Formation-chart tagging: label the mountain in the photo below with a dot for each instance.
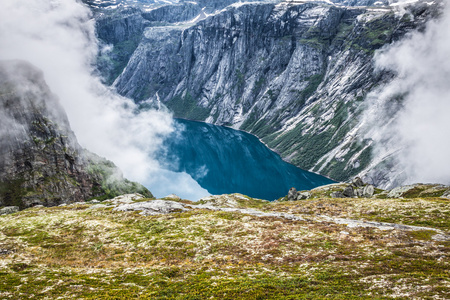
(121, 23)
(295, 74)
(41, 161)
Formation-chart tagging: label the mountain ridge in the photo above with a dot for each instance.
(296, 76)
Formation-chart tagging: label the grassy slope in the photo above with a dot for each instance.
(74, 252)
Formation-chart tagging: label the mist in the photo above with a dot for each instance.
(58, 36)
(409, 116)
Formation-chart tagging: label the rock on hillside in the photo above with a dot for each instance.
(358, 189)
(41, 161)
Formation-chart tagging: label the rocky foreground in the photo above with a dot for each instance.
(228, 247)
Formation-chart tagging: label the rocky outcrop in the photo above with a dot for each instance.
(40, 158)
(358, 189)
(124, 199)
(110, 178)
(121, 29)
(9, 210)
(229, 200)
(419, 190)
(41, 161)
(155, 207)
(336, 190)
(222, 203)
(294, 195)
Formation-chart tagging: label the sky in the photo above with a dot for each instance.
(58, 36)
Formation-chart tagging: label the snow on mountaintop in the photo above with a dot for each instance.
(148, 5)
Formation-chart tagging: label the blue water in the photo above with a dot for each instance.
(223, 160)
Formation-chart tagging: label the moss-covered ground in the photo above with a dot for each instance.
(74, 252)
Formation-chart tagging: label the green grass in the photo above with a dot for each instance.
(73, 252)
(108, 184)
(187, 107)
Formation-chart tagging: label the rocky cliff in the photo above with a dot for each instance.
(121, 24)
(294, 74)
(41, 161)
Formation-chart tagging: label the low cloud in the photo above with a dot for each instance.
(409, 116)
(58, 36)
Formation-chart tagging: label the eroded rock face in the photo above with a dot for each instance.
(40, 157)
(41, 162)
(294, 75)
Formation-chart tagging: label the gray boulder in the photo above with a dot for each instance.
(292, 194)
(9, 210)
(357, 182)
(359, 192)
(368, 191)
(348, 192)
(303, 195)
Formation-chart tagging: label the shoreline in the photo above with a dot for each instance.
(260, 140)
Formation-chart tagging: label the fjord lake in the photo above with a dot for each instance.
(223, 160)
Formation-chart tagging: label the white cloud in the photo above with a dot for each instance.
(58, 37)
(418, 130)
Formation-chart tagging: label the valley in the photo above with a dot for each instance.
(298, 76)
(174, 149)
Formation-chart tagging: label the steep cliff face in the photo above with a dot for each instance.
(296, 75)
(41, 161)
(121, 23)
(123, 31)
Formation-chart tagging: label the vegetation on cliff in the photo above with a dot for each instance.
(41, 161)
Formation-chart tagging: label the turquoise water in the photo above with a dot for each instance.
(223, 160)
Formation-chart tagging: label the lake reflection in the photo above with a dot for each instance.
(223, 160)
